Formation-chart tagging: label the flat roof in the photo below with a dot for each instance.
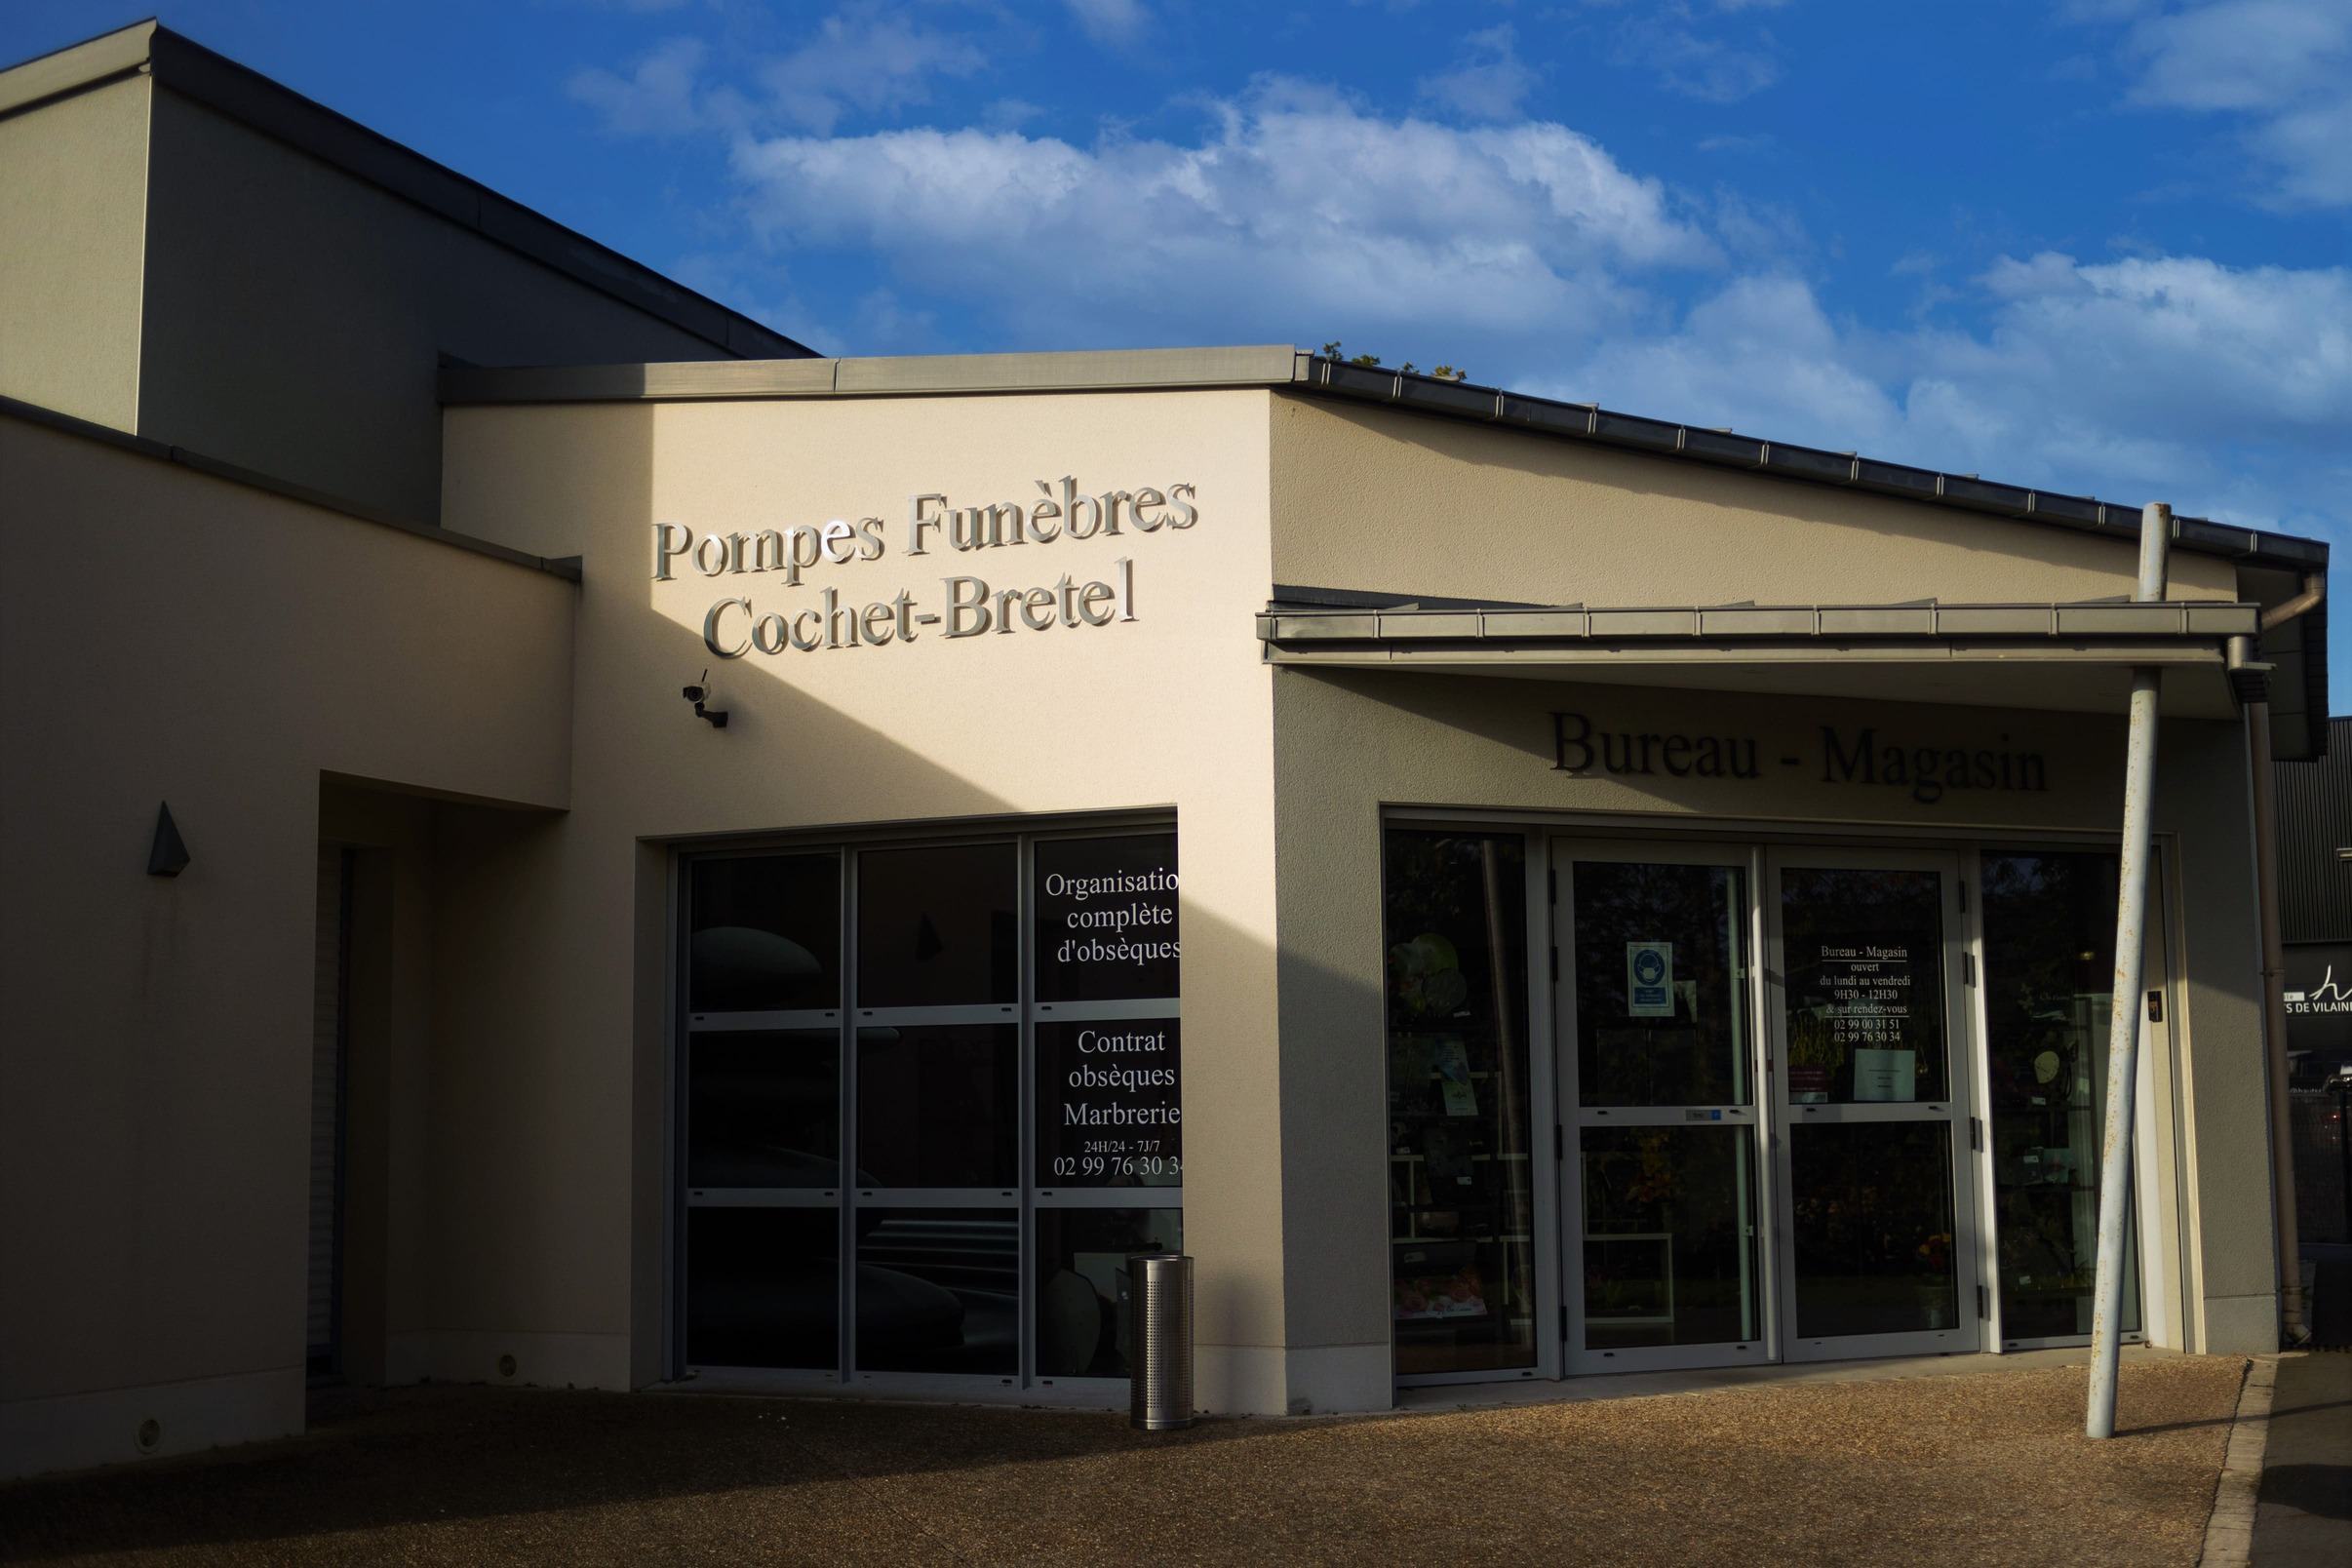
(1282, 367)
(252, 100)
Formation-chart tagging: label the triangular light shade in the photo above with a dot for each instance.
(168, 856)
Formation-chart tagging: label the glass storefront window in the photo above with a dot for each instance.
(1461, 1204)
(1109, 1107)
(937, 926)
(765, 1287)
(2049, 982)
(764, 934)
(967, 1038)
(1106, 918)
(1082, 1253)
(936, 1105)
(1107, 1104)
(764, 1108)
(939, 1290)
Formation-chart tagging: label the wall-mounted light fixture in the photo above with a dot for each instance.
(168, 855)
(697, 694)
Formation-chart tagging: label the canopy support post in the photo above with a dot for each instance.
(2124, 1011)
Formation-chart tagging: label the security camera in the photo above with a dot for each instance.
(698, 694)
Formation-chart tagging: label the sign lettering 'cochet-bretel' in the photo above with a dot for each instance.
(735, 625)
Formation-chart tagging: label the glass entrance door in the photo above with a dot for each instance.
(1877, 1243)
(1662, 1168)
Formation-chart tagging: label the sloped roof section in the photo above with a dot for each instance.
(244, 95)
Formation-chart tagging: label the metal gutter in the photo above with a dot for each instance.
(2195, 620)
(566, 568)
(221, 85)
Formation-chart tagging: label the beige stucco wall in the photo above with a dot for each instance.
(171, 637)
(1389, 503)
(73, 209)
(296, 315)
(1171, 710)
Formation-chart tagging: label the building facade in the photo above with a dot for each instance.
(711, 866)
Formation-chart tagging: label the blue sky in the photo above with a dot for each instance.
(2095, 245)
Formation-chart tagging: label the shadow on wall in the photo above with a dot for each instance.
(535, 1081)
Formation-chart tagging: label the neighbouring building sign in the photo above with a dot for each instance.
(966, 604)
(1860, 754)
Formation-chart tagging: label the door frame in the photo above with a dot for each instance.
(1957, 1109)
(1565, 850)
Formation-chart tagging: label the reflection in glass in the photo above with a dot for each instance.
(1669, 1236)
(763, 1107)
(937, 926)
(939, 1290)
(1461, 1212)
(765, 933)
(1661, 984)
(1873, 1233)
(1106, 917)
(936, 1105)
(2049, 978)
(1865, 955)
(763, 1287)
(1107, 1103)
(1081, 1299)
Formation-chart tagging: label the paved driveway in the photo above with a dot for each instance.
(1976, 1468)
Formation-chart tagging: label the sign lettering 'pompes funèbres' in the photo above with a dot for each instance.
(736, 625)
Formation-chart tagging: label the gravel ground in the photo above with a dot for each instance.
(1976, 1468)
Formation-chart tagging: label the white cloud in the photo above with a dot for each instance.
(1488, 81)
(2240, 53)
(859, 59)
(1116, 22)
(1294, 215)
(657, 98)
(2284, 66)
(1700, 57)
(2221, 390)
(863, 59)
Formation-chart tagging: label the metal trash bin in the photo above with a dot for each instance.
(1160, 1319)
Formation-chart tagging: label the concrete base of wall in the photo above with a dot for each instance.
(80, 1430)
(541, 1360)
(1329, 1378)
(1262, 1380)
(1238, 1379)
(2242, 1325)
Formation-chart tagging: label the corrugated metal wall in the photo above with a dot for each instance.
(2315, 820)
